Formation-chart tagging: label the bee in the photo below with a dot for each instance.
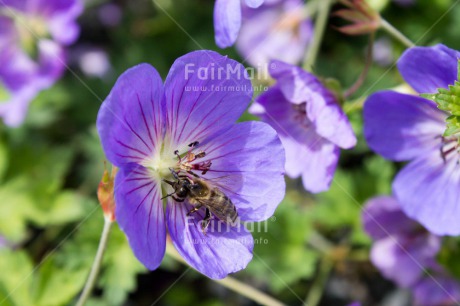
(201, 194)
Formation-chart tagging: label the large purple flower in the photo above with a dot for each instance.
(32, 33)
(276, 30)
(227, 19)
(310, 122)
(143, 122)
(403, 127)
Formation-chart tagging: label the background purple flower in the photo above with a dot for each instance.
(310, 122)
(402, 249)
(32, 61)
(142, 122)
(440, 290)
(406, 253)
(227, 19)
(276, 30)
(402, 127)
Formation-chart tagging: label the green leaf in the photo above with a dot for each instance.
(448, 100)
(57, 283)
(120, 269)
(284, 237)
(18, 209)
(15, 278)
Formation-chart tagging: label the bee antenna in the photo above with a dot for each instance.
(169, 182)
(168, 195)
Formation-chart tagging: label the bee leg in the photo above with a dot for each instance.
(195, 209)
(194, 174)
(178, 200)
(205, 222)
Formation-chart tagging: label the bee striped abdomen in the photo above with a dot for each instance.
(221, 206)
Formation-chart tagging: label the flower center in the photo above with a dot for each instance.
(300, 115)
(29, 29)
(290, 21)
(187, 162)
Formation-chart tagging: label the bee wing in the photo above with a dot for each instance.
(221, 182)
(221, 206)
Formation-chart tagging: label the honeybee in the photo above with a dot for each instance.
(200, 194)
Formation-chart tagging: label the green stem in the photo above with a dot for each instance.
(91, 281)
(386, 26)
(233, 284)
(316, 290)
(363, 74)
(320, 27)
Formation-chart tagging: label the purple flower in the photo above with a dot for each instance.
(402, 249)
(227, 19)
(404, 252)
(310, 122)
(275, 30)
(143, 122)
(434, 291)
(31, 60)
(403, 127)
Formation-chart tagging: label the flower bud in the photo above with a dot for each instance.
(364, 19)
(105, 193)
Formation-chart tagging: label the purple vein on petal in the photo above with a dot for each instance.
(189, 115)
(138, 187)
(139, 159)
(146, 196)
(180, 101)
(208, 152)
(154, 114)
(202, 119)
(224, 155)
(138, 179)
(145, 120)
(135, 133)
(130, 148)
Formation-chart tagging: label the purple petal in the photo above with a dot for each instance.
(428, 68)
(441, 290)
(14, 110)
(222, 250)
(401, 127)
(330, 121)
(382, 216)
(62, 24)
(227, 22)
(265, 35)
(307, 153)
(319, 160)
(139, 213)
(297, 84)
(51, 63)
(15, 4)
(403, 258)
(254, 3)
(205, 92)
(248, 166)
(427, 189)
(130, 121)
